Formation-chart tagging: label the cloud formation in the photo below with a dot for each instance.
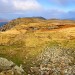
(26, 5)
(24, 8)
(19, 5)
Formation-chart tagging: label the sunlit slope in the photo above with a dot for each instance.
(21, 21)
(17, 39)
(23, 43)
(20, 32)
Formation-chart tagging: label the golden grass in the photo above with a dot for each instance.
(20, 44)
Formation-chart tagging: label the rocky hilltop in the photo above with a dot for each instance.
(43, 47)
(20, 21)
(37, 21)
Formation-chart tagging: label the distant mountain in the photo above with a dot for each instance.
(3, 22)
(71, 18)
(37, 18)
(40, 18)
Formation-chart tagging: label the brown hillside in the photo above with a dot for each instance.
(20, 21)
(38, 23)
(36, 43)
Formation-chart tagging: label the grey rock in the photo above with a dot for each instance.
(6, 65)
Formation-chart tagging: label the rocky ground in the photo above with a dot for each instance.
(43, 47)
(9, 68)
(55, 61)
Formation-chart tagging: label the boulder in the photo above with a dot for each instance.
(7, 65)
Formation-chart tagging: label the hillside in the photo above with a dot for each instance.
(41, 46)
(20, 21)
(38, 22)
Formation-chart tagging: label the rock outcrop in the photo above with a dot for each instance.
(8, 66)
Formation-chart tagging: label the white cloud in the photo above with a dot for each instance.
(21, 5)
(26, 5)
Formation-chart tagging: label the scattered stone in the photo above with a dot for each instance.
(55, 61)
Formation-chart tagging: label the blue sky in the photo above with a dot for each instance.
(62, 9)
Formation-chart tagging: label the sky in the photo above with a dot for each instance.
(59, 9)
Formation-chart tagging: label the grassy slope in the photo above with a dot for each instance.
(22, 46)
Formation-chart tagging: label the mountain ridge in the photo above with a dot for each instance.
(36, 21)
